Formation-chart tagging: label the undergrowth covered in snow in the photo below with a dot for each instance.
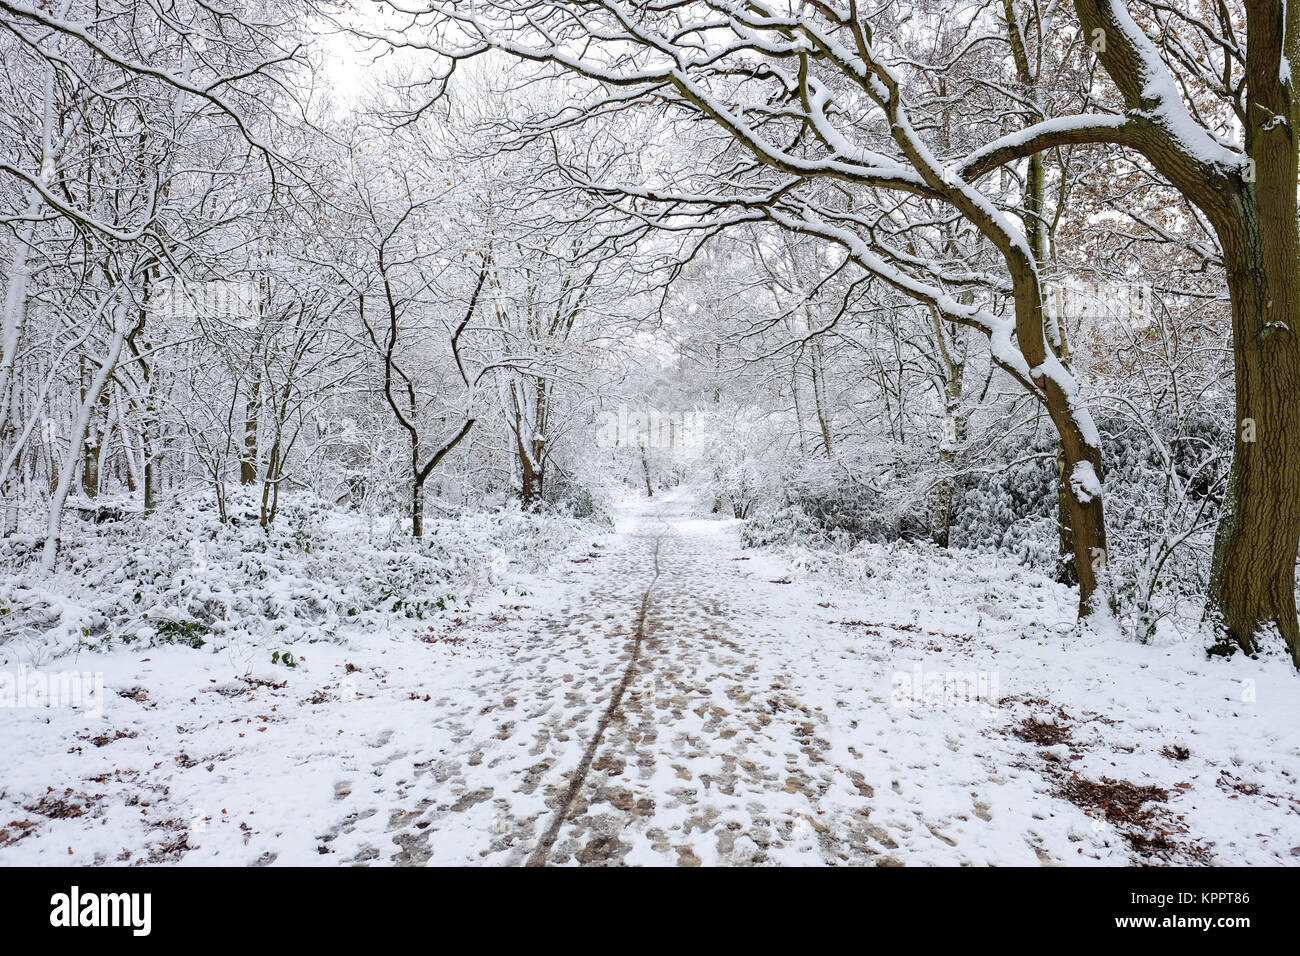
(316, 574)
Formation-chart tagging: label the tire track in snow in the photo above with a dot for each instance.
(552, 833)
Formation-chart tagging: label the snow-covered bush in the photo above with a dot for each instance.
(1163, 485)
(316, 574)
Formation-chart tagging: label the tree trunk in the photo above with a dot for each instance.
(417, 491)
(1080, 445)
(531, 477)
(90, 464)
(150, 441)
(953, 357)
(420, 474)
(130, 456)
(417, 509)
(1252, 577)
(819, 398)
(11, 490)
(269, 484)
(91, 445)
(1083, 503)
(54, 522)
(532, 447)
(151, 475)
(945, 502)
(1065, 573)
(645, 468)
(1036, 234)
(248, 455)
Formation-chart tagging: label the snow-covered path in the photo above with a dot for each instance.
(666, 697)
(655, 717)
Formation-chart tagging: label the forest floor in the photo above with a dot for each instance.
(664, 697)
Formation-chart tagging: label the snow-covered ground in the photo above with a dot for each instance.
(657, 695)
